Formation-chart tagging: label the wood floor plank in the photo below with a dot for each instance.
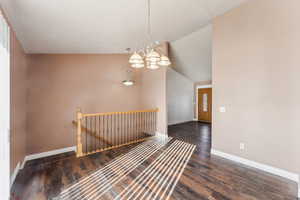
(206, 177)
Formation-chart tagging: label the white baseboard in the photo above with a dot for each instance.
(263, 167)
(181, 122)
(15, 173)
(195, 119)
(161, 135)
(50, 153)
(36, 156)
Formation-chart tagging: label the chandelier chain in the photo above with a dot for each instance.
(149, 19)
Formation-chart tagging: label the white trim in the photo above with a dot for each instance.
(50, 153)
(263, 167)
(299, 188)
(203, 86)
(160, 135)
(15, 173)
(196, 91)
(181, 122)
(36, 156)
(195, 119)
(23, 163)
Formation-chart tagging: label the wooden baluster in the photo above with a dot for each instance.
(121, 128)
(138, 124)
(154, 113)
(90, 137)
(98, 134)
(152, 122)
(130, 127)
(135, 125)
(156, 121)
(92, 131)
(86, 134)
(112, 130)
(102, 130)
(141, 124)
(147, 123)
(126, 122)
(79, 142)
(109, 130)
(95, 138)
(118, 130)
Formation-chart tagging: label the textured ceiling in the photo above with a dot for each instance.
(98, 26)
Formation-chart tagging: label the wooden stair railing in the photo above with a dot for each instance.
(103, 131)
(91, 133)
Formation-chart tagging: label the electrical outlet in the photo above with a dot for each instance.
(242, 146)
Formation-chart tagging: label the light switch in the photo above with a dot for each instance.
(222, 109)
(242, 146)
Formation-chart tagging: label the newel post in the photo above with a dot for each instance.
(79, 142)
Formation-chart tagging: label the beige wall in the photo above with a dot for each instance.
(180, 92)
(256, 61)
(61, 83)
(153, 91)
(19, 68)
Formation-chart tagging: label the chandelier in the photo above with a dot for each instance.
(149, 56)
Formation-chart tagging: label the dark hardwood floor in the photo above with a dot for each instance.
(205, 177)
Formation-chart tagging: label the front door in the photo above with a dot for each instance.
(205, 104)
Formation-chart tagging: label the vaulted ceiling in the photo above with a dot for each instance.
(192, 55)
(105, 26)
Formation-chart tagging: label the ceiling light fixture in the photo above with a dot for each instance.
(149, 55)
(129, 80)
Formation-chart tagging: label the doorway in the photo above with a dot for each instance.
(204, 104)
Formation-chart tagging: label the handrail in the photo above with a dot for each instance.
(116, 113)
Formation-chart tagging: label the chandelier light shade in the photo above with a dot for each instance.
(128, 82)
(152, 66)
(138, 65)
(136, 59)
(149, 56)
(153, 56)
(164, 61)
(129, 79)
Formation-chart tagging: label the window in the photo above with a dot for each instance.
(205, 103)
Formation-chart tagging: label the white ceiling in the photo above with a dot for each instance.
(105, 26)
(192, 55)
